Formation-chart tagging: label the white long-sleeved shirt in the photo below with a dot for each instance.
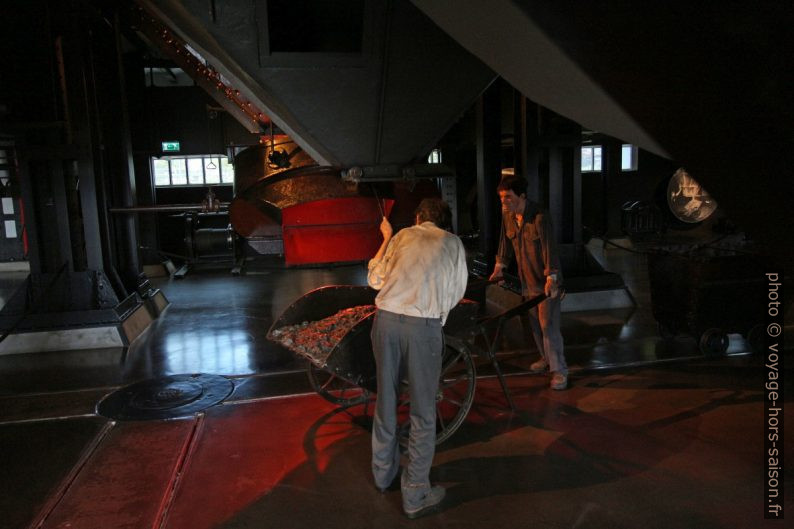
(422, 273)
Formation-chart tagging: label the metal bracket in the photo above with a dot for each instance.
(393, 172)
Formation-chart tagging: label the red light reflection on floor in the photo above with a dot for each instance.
(245, 450)
(277, 458)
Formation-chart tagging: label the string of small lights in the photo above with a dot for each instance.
(196, 67)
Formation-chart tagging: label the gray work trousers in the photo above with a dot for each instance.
(405, 346)
(544, 322)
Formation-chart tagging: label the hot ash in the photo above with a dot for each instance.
(316, 339)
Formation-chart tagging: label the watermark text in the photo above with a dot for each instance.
(773, 400)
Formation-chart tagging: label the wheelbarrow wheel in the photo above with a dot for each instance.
(755, 338)
(455, 389)
(454, 396)
(714, 342)
(335, 389)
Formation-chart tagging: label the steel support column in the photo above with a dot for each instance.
(610, 169)
(488, 167)
(532, 115)
(556, 199)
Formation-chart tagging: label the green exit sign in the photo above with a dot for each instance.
(170, 146)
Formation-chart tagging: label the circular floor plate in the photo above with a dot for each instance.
(166, 397)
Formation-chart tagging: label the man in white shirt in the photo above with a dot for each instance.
(421, 275)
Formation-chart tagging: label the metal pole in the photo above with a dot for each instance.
(164, 208)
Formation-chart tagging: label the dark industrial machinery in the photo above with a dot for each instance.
(208, 236)
(638, 217)
(287, 204)
(65, 157)
(351, 125)
(707, 292)
(681, 203)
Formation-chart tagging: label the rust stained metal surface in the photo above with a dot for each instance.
(125, 482)
(276, 154)
(297, 186)
(281, 193)
(278, 175)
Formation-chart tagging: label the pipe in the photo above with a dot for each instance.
(221, 206)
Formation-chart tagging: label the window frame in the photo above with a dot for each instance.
(434, 157)
(592, 149)
(221, 162)
(633, 161)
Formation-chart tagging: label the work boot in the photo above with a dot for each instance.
(539, 366)
(559, 381)
(419, 502)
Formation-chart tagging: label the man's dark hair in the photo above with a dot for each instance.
(436, 211)
(516, 184)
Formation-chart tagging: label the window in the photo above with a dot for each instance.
(435, 156)
(192, 170)
(628, 157)
(162, 174)
(212, 171)
(227, 171)
(195, 171)
(178, 172)
(591, 158)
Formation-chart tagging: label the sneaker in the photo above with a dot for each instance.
(429, 503)
(539, 366)
(559, 381)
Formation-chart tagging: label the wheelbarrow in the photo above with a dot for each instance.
(342, 368)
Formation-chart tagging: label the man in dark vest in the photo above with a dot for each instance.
(528, 237)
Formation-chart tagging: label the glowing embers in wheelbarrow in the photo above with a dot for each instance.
(315, 340)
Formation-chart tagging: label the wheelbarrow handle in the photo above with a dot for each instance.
(481, 282)
(521, 308)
